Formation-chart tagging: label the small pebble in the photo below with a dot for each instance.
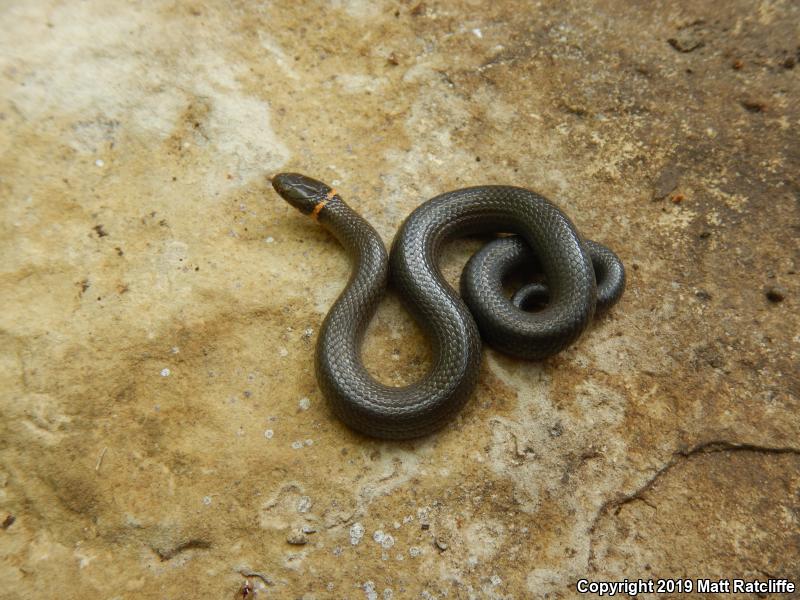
(165, 372)
(270, 239)
(304, 403)
(309, 529)
(99, 162)
(703, 295)
(297, 538)
(413, 551)
(283, 352)
(678, 198)
(495, 579)
(207, 500)
(297, 444)
(441, 544)
(268, 434)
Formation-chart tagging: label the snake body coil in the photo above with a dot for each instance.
(545, 236)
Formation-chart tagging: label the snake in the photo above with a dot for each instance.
(580, 278)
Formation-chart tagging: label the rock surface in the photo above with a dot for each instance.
(162, 434)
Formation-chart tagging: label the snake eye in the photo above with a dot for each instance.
(302, 192)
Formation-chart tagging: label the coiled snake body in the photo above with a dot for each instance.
(454, 324)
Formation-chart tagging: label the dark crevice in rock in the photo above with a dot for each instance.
(615, 504)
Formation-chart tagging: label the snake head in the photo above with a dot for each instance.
(304, 193)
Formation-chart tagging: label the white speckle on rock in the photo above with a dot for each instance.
(297, 444)
(414, 551)
(165, 372)
(99, 162)
(283, 352)
(478, 33)
(495, 580)
(304, 504)
(269, 239)
(308, 332)
(356, 533)
(174, 350)
(268, 434)
(207, 500)
(304, 403)
(387, 541)
(309, 442)
(378, 536)
(396, 525)
(388, 594)
(369, 590)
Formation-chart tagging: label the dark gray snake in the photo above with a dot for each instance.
(544, 237)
